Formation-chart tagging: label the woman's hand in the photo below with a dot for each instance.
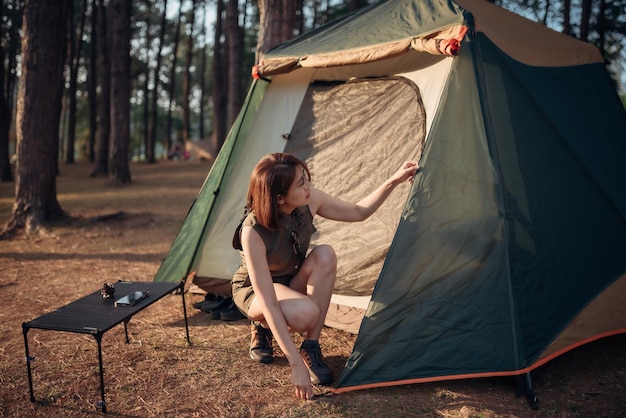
(405, 172)
(339, 210)
(302, 381)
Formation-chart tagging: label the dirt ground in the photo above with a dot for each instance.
(158, 375)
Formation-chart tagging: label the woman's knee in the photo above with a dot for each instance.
(304, 316)
(320, 267)
(325, 256)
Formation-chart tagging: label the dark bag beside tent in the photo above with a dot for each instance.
(509, 249)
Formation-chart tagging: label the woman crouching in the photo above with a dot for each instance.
(280, 287)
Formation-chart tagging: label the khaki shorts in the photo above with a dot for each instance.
(243, 293)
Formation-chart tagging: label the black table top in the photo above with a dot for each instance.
(92, 314)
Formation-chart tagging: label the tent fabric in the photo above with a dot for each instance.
(377, 32)
(445, 42)
(503, 224)
(266, 133)
(402, 25)
(369, 141)
(183, 252)
(430, 305)
(529, 42)
(603, 317)
(542, 194)
(507, 251)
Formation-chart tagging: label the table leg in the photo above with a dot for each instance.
(126, 330)
(28, 360)
(102, 404)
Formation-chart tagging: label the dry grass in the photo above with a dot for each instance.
(158, 375)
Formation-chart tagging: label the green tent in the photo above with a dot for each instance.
(510, 247)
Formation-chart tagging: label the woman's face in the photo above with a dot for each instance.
(299, 193)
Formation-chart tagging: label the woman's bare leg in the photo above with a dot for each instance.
(304, 304)
(316, 279)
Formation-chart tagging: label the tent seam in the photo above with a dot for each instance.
(492, 146)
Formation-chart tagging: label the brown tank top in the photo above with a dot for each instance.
(285, 246)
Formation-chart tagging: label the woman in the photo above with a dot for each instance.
(280, 287)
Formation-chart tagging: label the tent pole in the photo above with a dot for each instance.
(525, 385)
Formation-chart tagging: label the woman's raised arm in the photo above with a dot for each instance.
(339, 210)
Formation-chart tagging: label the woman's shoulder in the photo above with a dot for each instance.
(317, 199)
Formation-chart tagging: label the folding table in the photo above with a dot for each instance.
(95, 315)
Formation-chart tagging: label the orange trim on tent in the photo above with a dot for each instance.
(533, 366)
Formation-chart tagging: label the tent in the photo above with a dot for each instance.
(510, 247)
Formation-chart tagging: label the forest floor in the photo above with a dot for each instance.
(158, 375)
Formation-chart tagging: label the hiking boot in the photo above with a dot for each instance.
(231, 314)
(311, 353)
(211, 300)
(216, 310)
(261, 344)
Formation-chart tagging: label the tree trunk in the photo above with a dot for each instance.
(172, 90)
(38, 114)
(601, 28)
(155, 90)
(234, 38)
(146, 96)
(355, 5)
(546, 13)
(298, 23)
(218, 91)
(585, 18)
(567, 26)
(104, 107)
(74, 61)
(202, 78)
(276, 24)
(5, 123)
(187, 78)
(119, 172)
(13, 52)
(173, 79)
(12, 40)
(92, 83)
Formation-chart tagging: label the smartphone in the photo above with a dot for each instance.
(131, 298)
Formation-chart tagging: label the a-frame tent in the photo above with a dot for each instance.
(509, 249)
